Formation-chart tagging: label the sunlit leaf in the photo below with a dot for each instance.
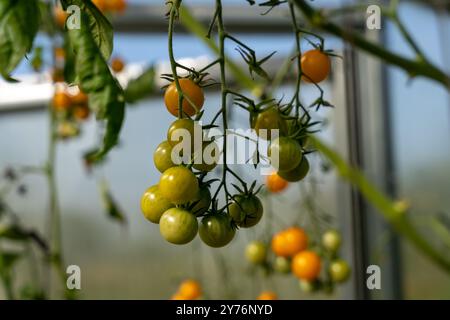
(19, 23)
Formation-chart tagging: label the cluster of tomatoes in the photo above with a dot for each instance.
(317, 266)
(105, 6)
(71, 109)
(188, 290)
(182, 194)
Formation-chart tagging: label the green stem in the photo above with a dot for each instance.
(173, 64)
(396, 217)
(56, 255)
(413, 67)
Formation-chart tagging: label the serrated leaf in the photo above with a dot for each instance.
(94, 77)
(98, 25)
(19, 23)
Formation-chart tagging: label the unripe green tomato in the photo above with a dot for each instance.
(153, 204)
(331, 240)
(296, 174)
(162, 157)
(307, 286)
(339, 270)
(289, 153)
(178, 226)
(268, 120)
(282, 265)
(256, 252)
(246, 211)
(216, 230)
(210, 155)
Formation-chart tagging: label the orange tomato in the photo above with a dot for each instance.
(117, 5)
(190, 289)
(80, 98)
(191, 90)
(289, 242)
(306, 265)
(59, 53)
(81, 112)
(316, 66)
(267, 295)
(60, 16)
(177, 296)
(117, 65)
(100, 4)
(61, 101)
(275, 183)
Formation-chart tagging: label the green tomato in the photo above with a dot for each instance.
(331, 240)
(339, 270)
(203, 201)
(307, 286)
(210, 154)
(269, 119)
(296, 174)
(162, 157)
(289, 153)
(256, 252)
(178, 226)
(153, 204)
(282, 265)
(179, 185)
(216, 230)
(246, 211)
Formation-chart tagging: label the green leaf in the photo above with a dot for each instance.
(142, 86)
(100, 28)
(19, 23)
(112, 209)
(93, 75)
(7, 260)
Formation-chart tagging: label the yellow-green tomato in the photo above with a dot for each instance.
(178, 226)
(282, 265)
(179, 185)
(162, 157)
(307, 286)
(153, 204)
(296, 174)
(256, 252)
(206, 159)
(268, 120)
(216, 230)
(285, 153)
(246, 210)
(339, 270)
(331, 240)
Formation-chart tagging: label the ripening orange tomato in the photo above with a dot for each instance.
(59, 53)
(101, 4)
(80, 98)
(306, 265)
(190, 289)
(81, 112)
(289, 242)
(178, 296)
(60, 16)
(267, 295)
(275, 183)
(191, 90)
(61, 101)
(116, 5)
(316, 66)
(117, 65)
